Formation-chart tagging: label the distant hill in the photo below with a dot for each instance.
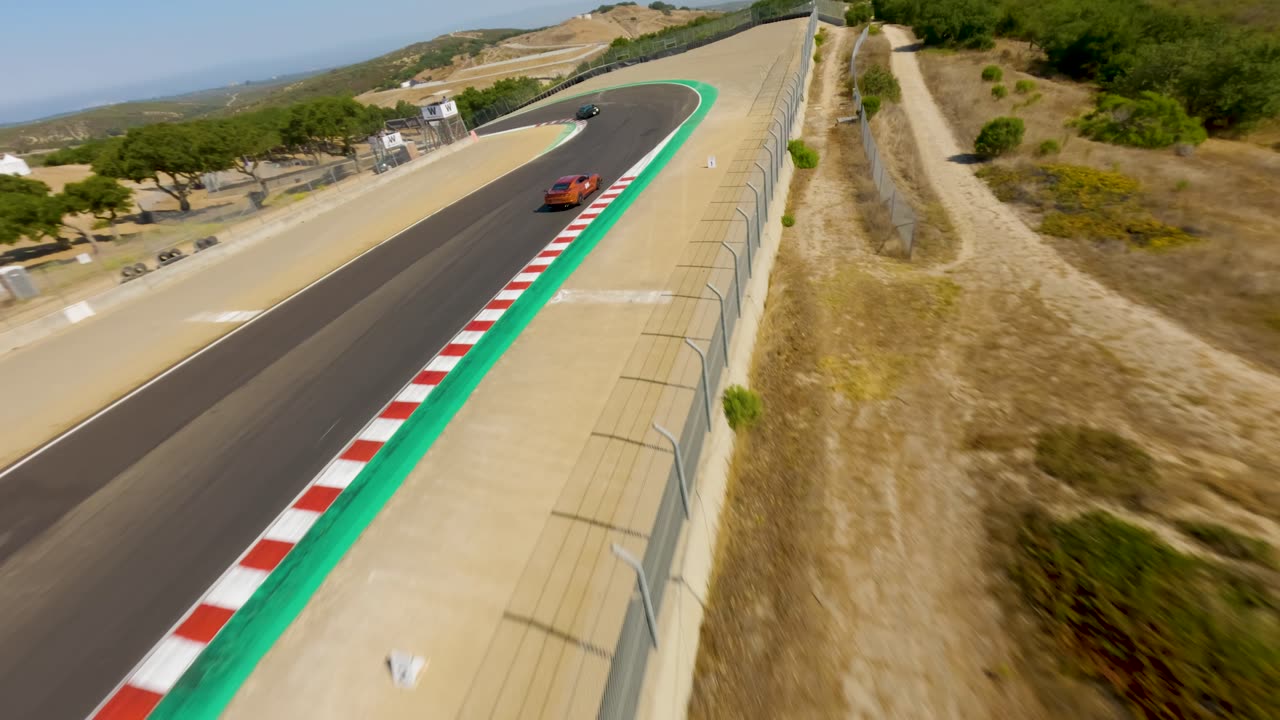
(543, 54)
(73, 127)
(450, 62)
(385, 71)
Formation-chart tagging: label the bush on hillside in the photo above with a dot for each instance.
(1172, 635)
(879, 80)
(1149, 121)
(1022, 87)
(999, 92)
(857, 14)
(1000, 136)
(992, 73)
(788, 221)
(804, 157)
(742, 407)
(870, 105)
(956, 23)
(1048, 147)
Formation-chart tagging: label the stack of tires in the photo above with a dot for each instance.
(170, 256)
(133, 272)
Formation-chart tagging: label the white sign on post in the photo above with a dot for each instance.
(405, 668)
(711, 162)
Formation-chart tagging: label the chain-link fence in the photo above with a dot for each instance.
(639, 631)
(901, 214)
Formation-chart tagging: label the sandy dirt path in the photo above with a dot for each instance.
(1241, 400)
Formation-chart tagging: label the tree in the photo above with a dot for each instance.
(26, 210)
(330, 124)
(102, 197)
(957, 23)
(172, 156)
(248, 140)
(1151, 121)
(857, 14)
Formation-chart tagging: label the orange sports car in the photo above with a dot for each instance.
(571, 190)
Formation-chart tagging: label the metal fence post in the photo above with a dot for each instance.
(773, 164)
(768, 189)
(706, 384)
(724, 328)
(675, 447)
(645, 599)
(737, 275)
(762, 204)
(778, 141)
(747, 220)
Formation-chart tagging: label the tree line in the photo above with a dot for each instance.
(1226, 74)
(174, 156)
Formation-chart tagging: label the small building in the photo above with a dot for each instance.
(10, 165)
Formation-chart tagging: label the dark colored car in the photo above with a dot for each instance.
(588, 111)
(570, 190)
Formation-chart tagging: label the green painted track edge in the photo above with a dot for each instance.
(217, 675)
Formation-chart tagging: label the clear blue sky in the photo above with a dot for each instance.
(62, 55)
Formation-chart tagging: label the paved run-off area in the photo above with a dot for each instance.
(492, 560)
(73, 374)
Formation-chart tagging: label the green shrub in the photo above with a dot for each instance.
(1022, 87)
(742, 407)
(879, 80)
(1000, 136)
(1229, 543)
(1048, 147)
(1096, 461)
(1149, 121)
(788, 221)
(992, 73)
(999, 92)
(817, 56)
(874, 30)
(804, 157)
(821, 37)
(871, 105)
(857, 14)
(1173, 636)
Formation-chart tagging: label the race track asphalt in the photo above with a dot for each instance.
(198, 463)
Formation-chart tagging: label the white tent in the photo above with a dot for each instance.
(10, 165)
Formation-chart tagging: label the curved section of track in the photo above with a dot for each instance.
(199, 462)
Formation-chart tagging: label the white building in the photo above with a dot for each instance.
(10, 165)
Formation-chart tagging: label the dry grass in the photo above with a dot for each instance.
(1226, 287)
(760, 606)
(914, 412)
